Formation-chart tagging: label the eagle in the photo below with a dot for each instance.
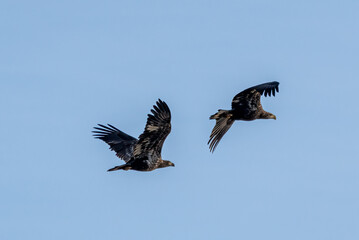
(144, 153)
(246, 106)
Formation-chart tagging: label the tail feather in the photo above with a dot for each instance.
(221, 113)
(123, 167)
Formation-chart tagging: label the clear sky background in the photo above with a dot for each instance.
(67, 65)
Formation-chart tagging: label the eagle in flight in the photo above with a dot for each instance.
(246, 106)
(144, 153)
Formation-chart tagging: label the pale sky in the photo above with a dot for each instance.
(67, 65)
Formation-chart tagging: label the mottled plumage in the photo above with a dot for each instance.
(143, 154)
(246, 106)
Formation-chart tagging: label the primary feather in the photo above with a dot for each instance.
(119, 141)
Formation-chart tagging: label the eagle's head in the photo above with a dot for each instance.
(267, 115)
(272, 116)
(166, 163)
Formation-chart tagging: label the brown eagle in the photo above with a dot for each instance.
(246, 106)
(143, 154)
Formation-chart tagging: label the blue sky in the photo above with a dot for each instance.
(67, 65)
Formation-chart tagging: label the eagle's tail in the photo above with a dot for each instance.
(123, 167)
(221, 113)
(224, 120)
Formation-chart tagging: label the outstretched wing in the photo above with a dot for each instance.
(157, 128)
(221, 127)
(241, 99)
(119, 141)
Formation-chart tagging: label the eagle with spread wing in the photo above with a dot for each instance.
(246, 106)
(144, 153)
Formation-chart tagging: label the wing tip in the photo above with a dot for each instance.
(159, 107)
(101, 131)
(270, 88)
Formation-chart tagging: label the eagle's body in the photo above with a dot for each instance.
(143, 154)
(246, 106)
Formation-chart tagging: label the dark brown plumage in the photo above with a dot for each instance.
(246, 106)
(143, 154)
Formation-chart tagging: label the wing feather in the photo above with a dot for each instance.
(242, 98)
(157, 128)
(119, 141)
(221, 127)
